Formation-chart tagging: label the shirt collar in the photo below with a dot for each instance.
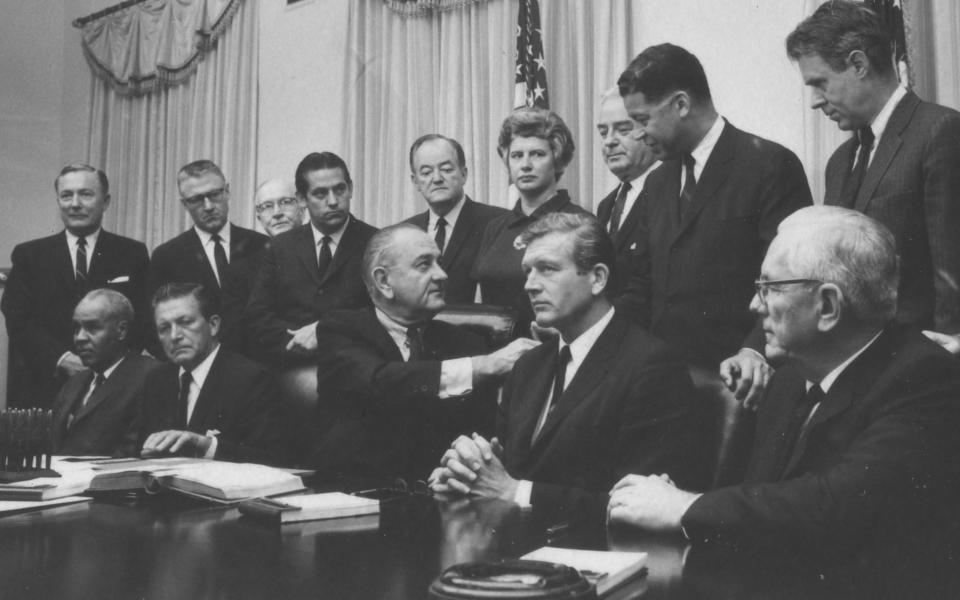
(636, 184)
(91, 239)
(109, 370)
(200, 372)
(451, 217)
(879, 123)
(205, 236)
(827, 382)
(580, 347)
(704, 149)
(397, 331)
(554, 204)
(334, 237)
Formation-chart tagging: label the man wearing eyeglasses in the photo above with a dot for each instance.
(205, 253)
(310, 269)
(854, 458)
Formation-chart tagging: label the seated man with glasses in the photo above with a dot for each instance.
(207, 252)
(854, 463)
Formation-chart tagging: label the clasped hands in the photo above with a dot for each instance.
(651, 502)
(472, 465)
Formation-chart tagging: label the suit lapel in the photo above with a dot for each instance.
(63, 264)
(605, 208)
(96, 270)
(106, 391)
(210, 396)
(887, 149)
(73, 394)
(345, 249)
(531, 405)
(629, 222)
(460, 234)
(306, 250)
(195, 247)
(714, 173)
(838, 174)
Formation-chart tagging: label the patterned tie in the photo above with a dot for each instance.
(219, 257)
(618, 205)
(441, 237)
(798, 418)
(184, 399)
(559, 375)
(686, 194)
(80, 275)
(325, 256)
(851, 187)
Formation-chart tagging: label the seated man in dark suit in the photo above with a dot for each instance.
(438, 169)
(855, 457)
(50, 275)
(581, 411)
(710, 210)
(207, 252)
(312, 269)
(96, 407)
(208, 401)
(394, 383)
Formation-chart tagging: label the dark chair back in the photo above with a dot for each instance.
(497, 324)
(732, 427)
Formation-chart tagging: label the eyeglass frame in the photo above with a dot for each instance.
(762, 286)
(279, 203)
(212, 195)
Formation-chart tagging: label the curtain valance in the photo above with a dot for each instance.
(418, 8)
(153, 44)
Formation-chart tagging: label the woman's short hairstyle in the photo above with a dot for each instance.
(540, 123)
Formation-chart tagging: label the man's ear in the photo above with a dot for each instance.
(681, 102)
(859, 62)
(600, 274)
(382, 282)
(214, 321)
(830, 300)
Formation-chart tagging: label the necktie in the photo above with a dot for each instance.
(219, 257)
(798, 418)
(690, 184)
(415, 343)
(851, 187)
(184, 399)
(559, 375)
(325, 256)
(618, 206)
(97, 382)
(81, 273)
(441, 237)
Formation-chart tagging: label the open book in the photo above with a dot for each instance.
(604, 569)
(74, 479)
(309, 507)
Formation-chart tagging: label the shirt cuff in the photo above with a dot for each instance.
(762, 357)
(456, 378)
(523, 493)
(63, 356)
(212, 450)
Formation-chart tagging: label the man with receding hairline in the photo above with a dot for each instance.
(51, 274)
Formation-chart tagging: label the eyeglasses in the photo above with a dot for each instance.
(212, 196)
(762, 286)
(273, 205)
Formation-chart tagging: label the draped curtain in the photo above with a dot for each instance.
(452, 73)
(141, 141)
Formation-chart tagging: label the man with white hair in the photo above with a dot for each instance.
(854, 456)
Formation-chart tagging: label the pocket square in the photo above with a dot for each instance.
(121, 279)
(633, 246)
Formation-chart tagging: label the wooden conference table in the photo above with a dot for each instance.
(167, 547)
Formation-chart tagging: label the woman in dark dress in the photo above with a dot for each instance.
(536, 146)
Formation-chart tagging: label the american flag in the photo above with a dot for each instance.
(531, 78)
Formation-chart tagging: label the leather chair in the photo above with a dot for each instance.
(497, 324)
(298, 386)
(732, 427)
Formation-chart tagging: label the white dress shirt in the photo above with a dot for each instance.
(91, 241)
(701, 154)
(879, 123)
(198, 377)
(636, 186)
(206, 240)
(334, 242)
(451, 219)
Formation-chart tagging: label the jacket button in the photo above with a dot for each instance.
(320, 292)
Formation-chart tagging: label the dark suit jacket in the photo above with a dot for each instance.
(289, 292)
(630, 408)
(41, 294)
(873, 477)
(912, 186)
(382, 415)
(239, 398)
(462, 248)
(630, 243)
(99, 427)
(183, 259)
(702, 269)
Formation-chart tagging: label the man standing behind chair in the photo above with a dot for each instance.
(395, 384)
(96, 407)
(854, 459)
(51, 274)
(204, 254)
(208, 401)
(438, 169)
(312, 269)
(901, 167)
(710, 210)
(631, 161)
(580, 412)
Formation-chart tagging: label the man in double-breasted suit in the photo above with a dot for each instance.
(96, 407)
(900, 167)
(579, 412)
(852, 460)
(310, 270)
(438, 170)
(50, 275)
(710, 210)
